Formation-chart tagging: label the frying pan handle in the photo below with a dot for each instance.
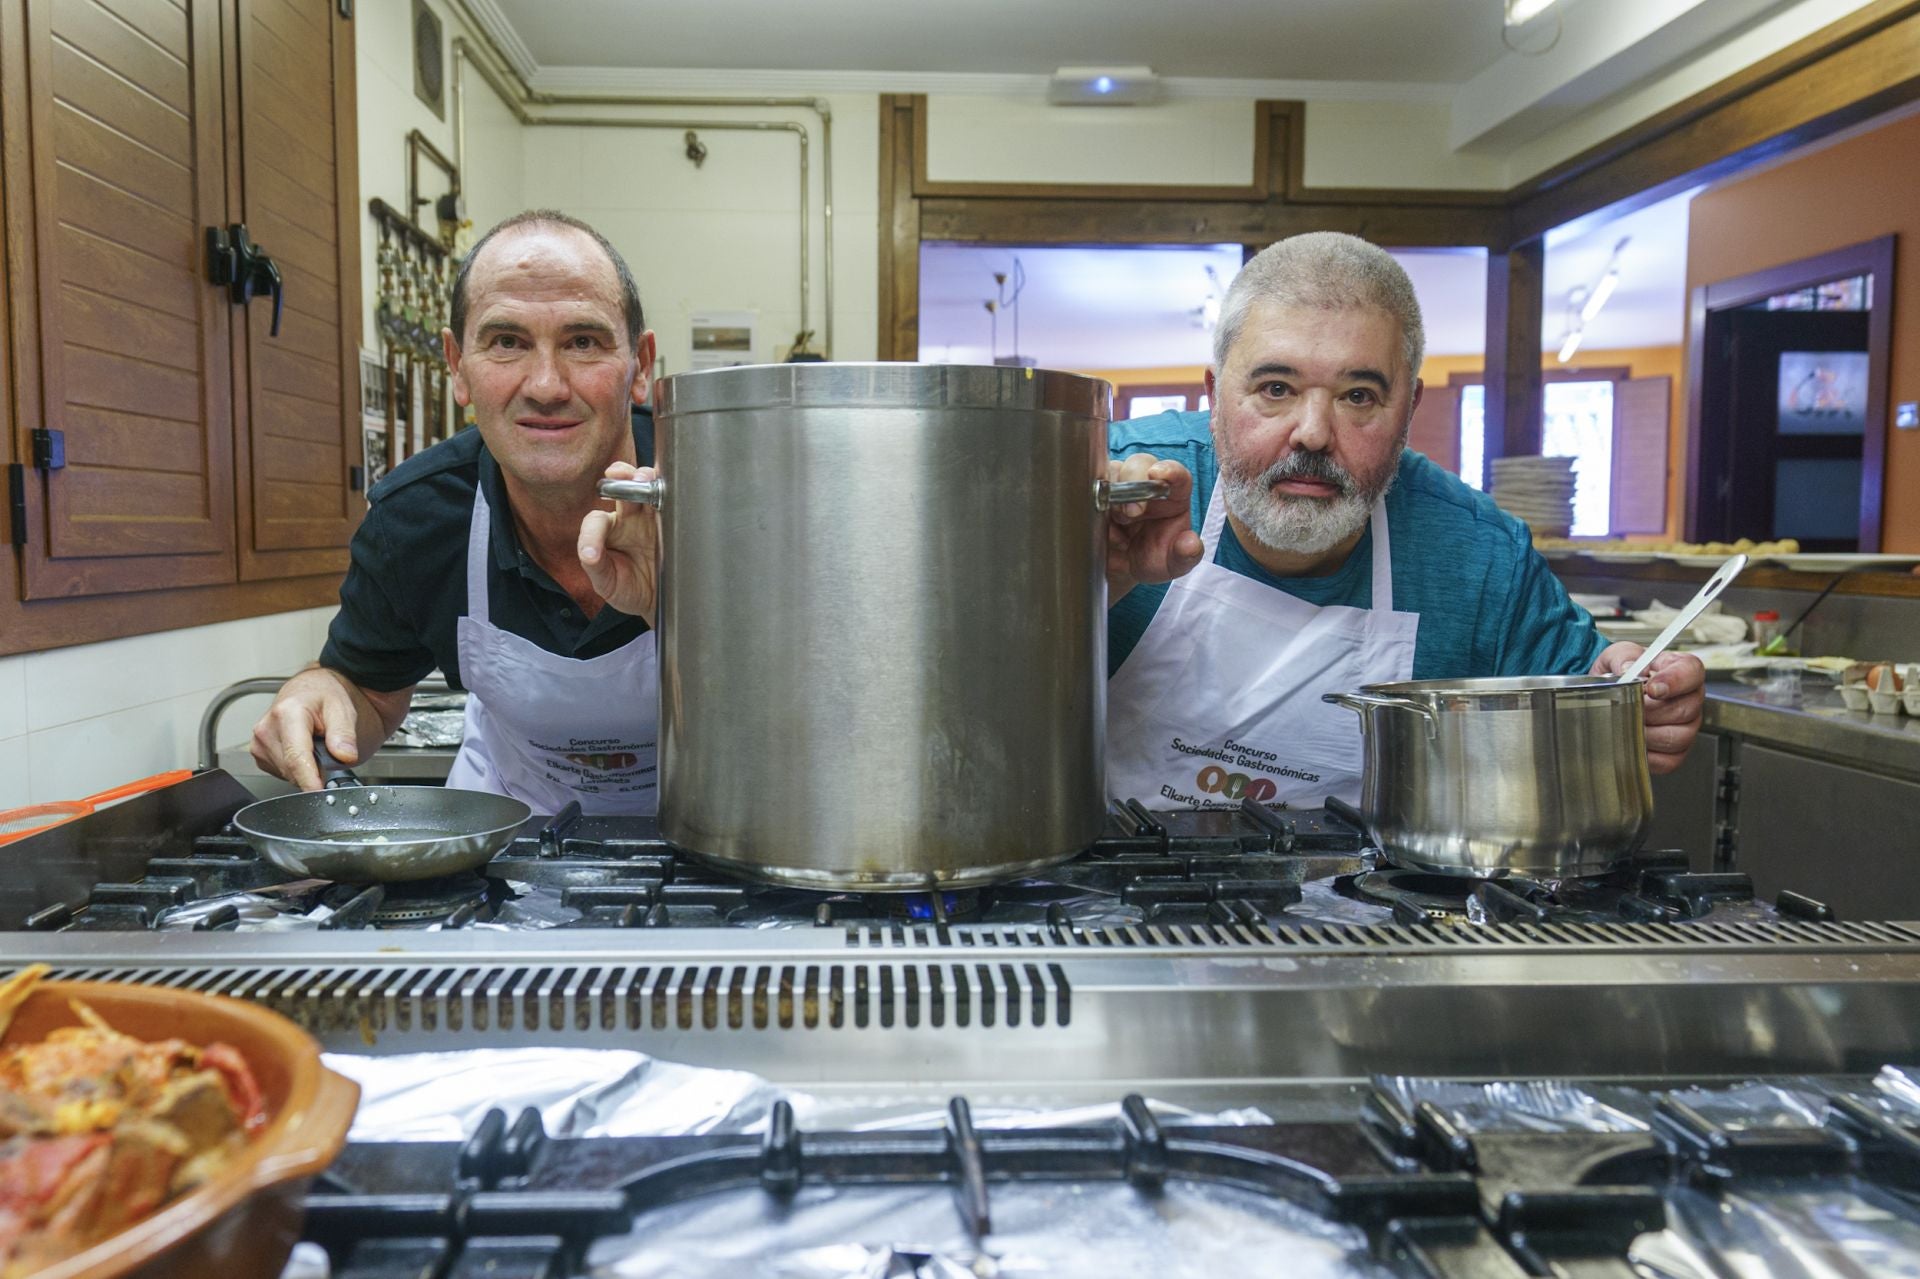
(333, 774)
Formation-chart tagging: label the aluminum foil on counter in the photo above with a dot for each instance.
(1048, 1230)
(435, 719)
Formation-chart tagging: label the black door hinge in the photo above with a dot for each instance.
(49, 449)
(17, 503)
(346, 9)
(356, 478)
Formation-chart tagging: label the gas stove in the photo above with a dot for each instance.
(1265, 964)
(1400, 1177)
(1255, 870)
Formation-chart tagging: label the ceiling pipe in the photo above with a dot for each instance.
(519, 96)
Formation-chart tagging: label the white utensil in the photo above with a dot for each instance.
(1707, 594)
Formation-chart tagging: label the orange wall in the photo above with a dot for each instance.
(1856, 190)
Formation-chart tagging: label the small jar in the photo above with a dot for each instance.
(1766, 625)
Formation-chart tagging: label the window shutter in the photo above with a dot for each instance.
(1640, 429)
(299, 443)
(1435, 430)
(127, 358)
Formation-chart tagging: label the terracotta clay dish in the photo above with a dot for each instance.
(245, 1218)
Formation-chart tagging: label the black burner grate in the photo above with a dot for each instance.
(1432, 1197)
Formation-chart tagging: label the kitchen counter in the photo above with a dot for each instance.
(1818, 724)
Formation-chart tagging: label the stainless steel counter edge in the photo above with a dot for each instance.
(1095, 1017)
(1820, 726)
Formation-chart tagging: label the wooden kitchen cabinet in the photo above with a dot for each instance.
(164, 445)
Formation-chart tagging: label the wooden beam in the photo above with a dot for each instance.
(1515, 304)
(1072, 221)
(900, 229)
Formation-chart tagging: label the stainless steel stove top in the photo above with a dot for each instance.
(1231, 874)
(1200, 951)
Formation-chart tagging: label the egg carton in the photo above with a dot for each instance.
(1857, 693)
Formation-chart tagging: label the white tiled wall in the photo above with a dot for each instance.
(76, 721)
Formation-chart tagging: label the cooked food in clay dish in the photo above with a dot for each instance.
(99, 1129)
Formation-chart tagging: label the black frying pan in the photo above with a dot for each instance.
(357, 833)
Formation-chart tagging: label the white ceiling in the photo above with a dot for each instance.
(1447, 41)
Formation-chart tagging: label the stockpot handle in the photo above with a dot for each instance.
(1107, 493)
(1363, 702)
(646, 492)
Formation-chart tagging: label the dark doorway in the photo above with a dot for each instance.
(1788, 402)
(1795, 434)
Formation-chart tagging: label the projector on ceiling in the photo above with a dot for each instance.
(1103, 87)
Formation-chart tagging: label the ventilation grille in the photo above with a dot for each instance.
(375, 1000)
(1773, 935)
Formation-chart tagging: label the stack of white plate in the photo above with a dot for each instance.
(1537, 490)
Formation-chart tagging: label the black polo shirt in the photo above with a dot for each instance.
(406, 589)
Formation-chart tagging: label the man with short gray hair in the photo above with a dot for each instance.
(1324, 555)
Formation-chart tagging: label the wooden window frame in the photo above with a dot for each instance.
(1125, 395)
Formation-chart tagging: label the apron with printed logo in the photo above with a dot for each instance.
(1220, 699)
(545, 728)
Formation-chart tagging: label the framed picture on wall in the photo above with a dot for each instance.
(1823, 392)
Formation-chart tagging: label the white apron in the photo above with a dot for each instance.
(1220, 699)
(545, 728)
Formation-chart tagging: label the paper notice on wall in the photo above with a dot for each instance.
(722, 339)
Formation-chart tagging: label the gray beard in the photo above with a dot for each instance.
(1302, 525)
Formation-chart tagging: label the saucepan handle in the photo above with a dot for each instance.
(646, 492)
(1110, 493)
(1364, 702)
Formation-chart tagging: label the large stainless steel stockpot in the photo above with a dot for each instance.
(882, 619)
(1544, 777)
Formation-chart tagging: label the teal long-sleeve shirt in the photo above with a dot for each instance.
(1488, 603)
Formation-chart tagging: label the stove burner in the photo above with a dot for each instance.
(951, 908)
(428, 901)
(1655, 887)
(1443, 894)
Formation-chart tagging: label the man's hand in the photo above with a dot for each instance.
(1675, 698)
(620, 549)
(322, 703)
(1150, 541)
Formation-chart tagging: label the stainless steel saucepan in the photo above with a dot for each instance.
(355, 833)
(1544, 777)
